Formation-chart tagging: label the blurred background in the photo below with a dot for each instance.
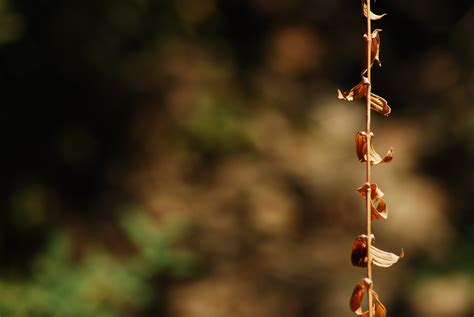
(189, 158)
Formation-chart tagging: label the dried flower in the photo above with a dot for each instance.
(379, 208)
(377, 103)
(374, 157)
(358, 295)
(379, 257)
(356, 92)
(359, 252)
(374, 48)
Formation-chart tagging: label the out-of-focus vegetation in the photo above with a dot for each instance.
(99, 284)
(219, 121)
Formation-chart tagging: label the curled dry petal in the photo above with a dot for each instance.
(374, 48)
(374, 157)
(380, 310)
(373, 16)
(384, 259)
(358, 296)
(377, 103)
(379, 208)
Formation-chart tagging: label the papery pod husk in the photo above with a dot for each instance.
(373, 16)
(374, 157)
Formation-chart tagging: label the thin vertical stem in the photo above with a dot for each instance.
(368, 163)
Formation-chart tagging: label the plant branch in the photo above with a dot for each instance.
(368, 162)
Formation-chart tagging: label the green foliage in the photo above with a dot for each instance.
(99, 285)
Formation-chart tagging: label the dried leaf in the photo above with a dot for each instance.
(374, 48)
(379, 208)
(377, 103)
(358, 296)
(374, 157)
(384, 259)
(373, 16)
(380, 310)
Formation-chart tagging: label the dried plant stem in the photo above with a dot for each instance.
(368, 163)
(364, 254)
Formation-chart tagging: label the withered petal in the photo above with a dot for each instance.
(373, 16)
(358, 295)
(384, 259)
